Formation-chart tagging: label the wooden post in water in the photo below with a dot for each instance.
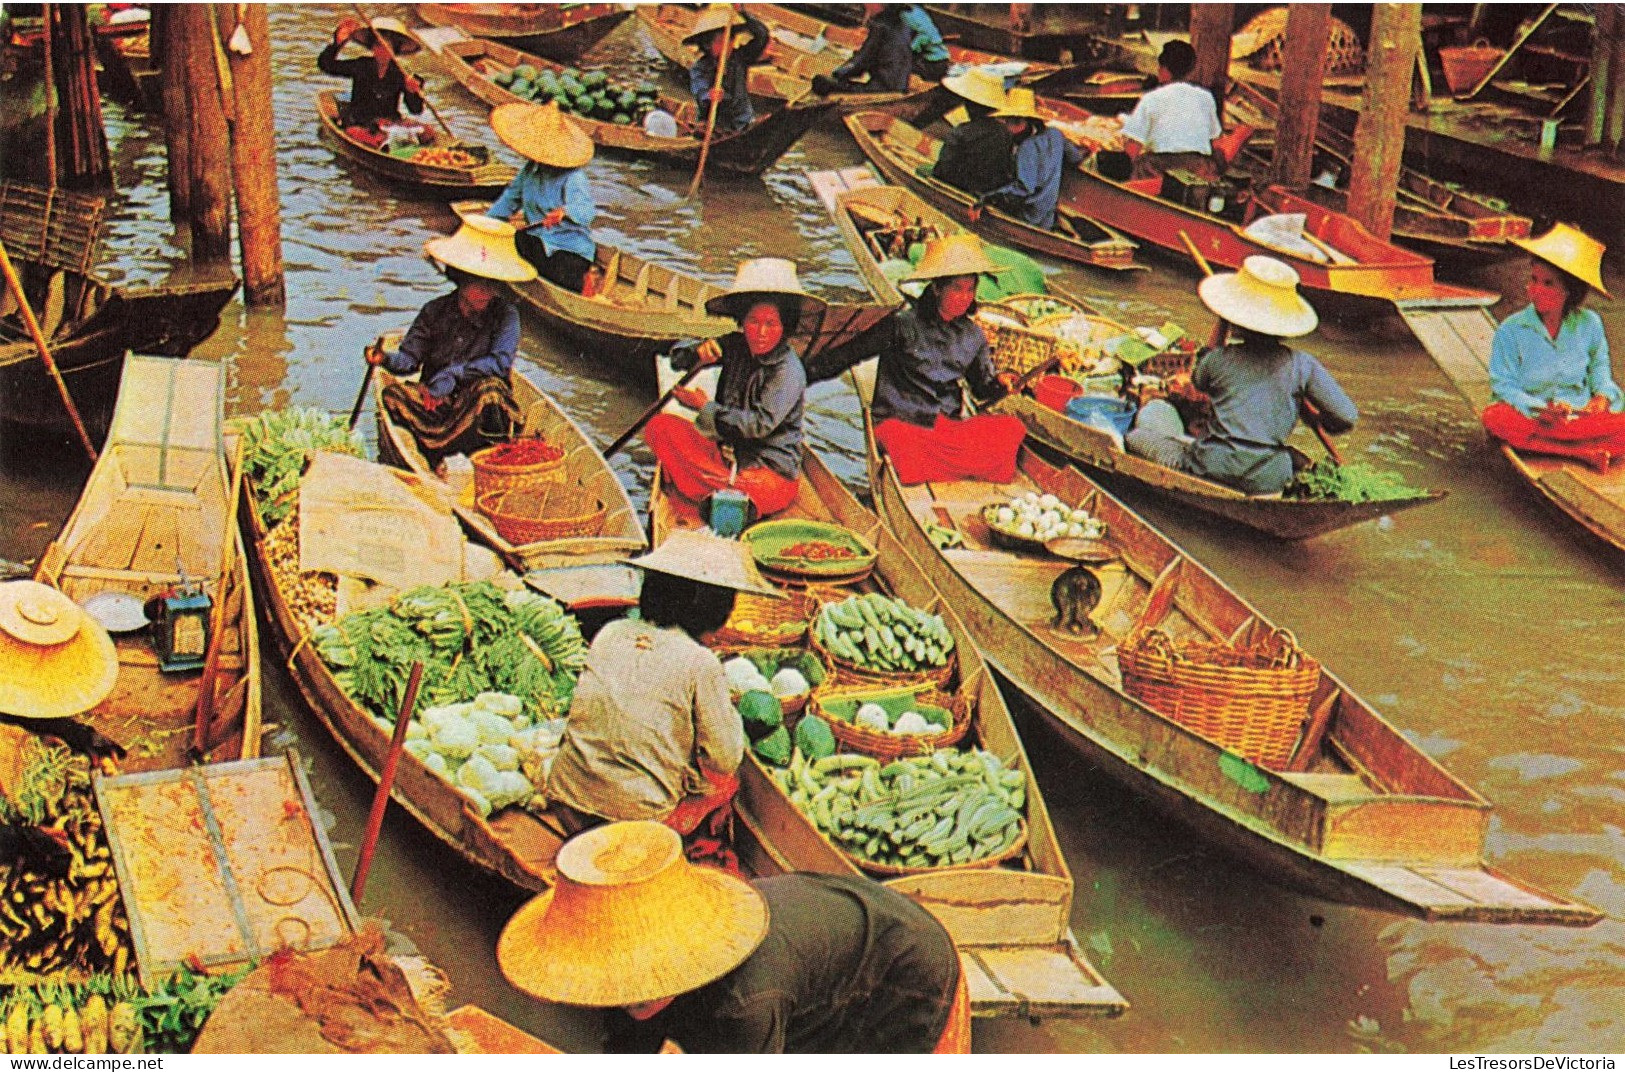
(1211, 26)
(1379, 136)
(81, 144)
(1614, 127)
(253, 153)
(209, 140)
(1602, 58)
(1303, 71)
(164, 37)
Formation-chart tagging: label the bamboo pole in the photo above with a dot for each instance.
(1602, 58)
(82, 158)
(1211, 27)
(27, 311)
(51, 101)
(253, 155)
(716, 99)
(210, 141)
(1379, 136)
(1303, 72)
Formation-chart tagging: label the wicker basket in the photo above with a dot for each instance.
(764, 622)
(892, 870)
(1465, 68)
(850, 675)
(491, 476)
(856, 738)
(792, 705)
(549, 512)
(1250, 701)
(1019, 349)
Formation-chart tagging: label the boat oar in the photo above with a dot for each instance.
(648, 414)
(366, 382)
(716, 99)
(34, 332)
(396, 60)
(386, 781)
(1221, 329)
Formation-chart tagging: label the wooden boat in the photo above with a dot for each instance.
(1061, 46)
(621, 533)
(156, 514)
(1358, 813)
(1012, 924)
(558, 31)
(481, 175)
(751, 151)
(897, 150)
(89, 324)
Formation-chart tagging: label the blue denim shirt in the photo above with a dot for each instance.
(539, 189)
(1529, 368)
(452, 350)
(1036, 189)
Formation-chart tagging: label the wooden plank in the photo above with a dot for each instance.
(1035, 981)
(1458, 338)
(1485, 888)
(1410, 885)
(1584, 500)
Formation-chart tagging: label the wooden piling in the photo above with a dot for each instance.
(253, 154)
(1602, 59)
(209, 140)
(1303, 72)
(1379, 136)
(81, 142)
(1211, 26)
(164, 40)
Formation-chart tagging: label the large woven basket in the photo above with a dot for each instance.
(761, 621)
(856, 738)
(1015, 348)
(1251, 701)
(547, 512)
(490, 476)
(893, 870)
(850, 675)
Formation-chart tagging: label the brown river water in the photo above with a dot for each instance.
(1487, 627)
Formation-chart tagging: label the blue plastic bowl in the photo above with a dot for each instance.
(1095, 409)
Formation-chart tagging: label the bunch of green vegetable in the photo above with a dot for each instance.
(276, 446)
(941, 810)
(1354, 482)
(471, 638)
(883, 634)
(589, 94)
(171, 1016)
(95, 1017)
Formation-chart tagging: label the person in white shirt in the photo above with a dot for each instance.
(1174, 125)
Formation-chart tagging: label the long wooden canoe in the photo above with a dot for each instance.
(485, 175)
(558, 31)
(155, 514)
(751, 151)
(621, 533)
(1359, 813)
(898, 149)
(1012, 923)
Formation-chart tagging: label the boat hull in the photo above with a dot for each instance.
(446, 182)
(558, 32)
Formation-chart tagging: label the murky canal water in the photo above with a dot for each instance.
(1486, 627)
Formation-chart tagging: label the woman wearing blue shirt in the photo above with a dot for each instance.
(550, 192)
(1549, 364)
(1042, 155)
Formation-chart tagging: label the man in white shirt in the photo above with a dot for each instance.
(1174, 125)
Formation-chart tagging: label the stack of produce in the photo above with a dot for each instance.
(943, 810)
(277, 444)
(442, 156)
(111, 1014)
(785, 675)
(1042, 517)
(589, 94)
(312, 595)
(488, 749)
(886, 635)
(1354, 482)
(471, 638)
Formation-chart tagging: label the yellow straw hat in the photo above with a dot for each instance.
(713, 18)
(630, 921)
(1571, 250)
(55, 661)
(543, 133)
(959, 254)
(977, 86)
(763, 276)
(1020, 103)
(701, 555)
(1262, 297)
(483, 247)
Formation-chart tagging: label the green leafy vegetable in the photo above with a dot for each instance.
(276, 446)
(1355, 482)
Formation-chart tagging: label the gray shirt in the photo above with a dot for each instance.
(758, 408)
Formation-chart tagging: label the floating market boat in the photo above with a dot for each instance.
(446, 168)
(89, 324)
(1337, 802)
(558, 31)
(155, 519)
(477, 65)
(1012, 923)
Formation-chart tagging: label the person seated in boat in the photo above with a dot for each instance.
(1553, 387)
(976, 156)
(928, 352)
(756, 416)
(377, 84)
(56, 664)
(1258, 387)
(792, 963)
(886, 57)
(652, 733)
(734, 111)
(930, 53)
(1173, 126)
(550, 195)
(462, 345)
(1042, 155)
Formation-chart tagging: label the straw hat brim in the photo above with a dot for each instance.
(692, 555)
(1561, 247)
(975, 90)
(560, 143)
(710, 24)
(736, 305)
(1234, 299)
(465, 257)
(57, 680)
(399, 43)
(603, 963)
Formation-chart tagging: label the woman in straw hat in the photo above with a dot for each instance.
(886, 57)
(1549, 365)
(1042, 154)
(756, 416)
(377, 83)
(734, 111)
(462, 344)
(796, 963)
(56, 663)
(550, 193)
(976, 156)
(1258, 386)
(927, 353)
(1174, 125)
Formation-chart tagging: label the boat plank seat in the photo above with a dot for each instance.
(1332, 788)
(1459, 892)
(1005, 976)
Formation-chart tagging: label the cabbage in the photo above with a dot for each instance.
(789, 682)
(874, 717)
(740, 672)
(500, 756)
(435, 717)
(913, 722)
(476, 798)
(510, 787)
(415, 731)
(421, 749)
(499, 703)
(493, 729)
(437, 763)
(456, 740)
(478, 773)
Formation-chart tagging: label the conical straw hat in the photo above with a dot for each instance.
(1262, 297)
(394, 31)
(1020, 103)
(978, 86)
(714, 17)
(55, 660)
(762, 276)
(701, 555)
(630, 921)
(959, 254)
(1571, 250)
(483, 247)
(543, 133)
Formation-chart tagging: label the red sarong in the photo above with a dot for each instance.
(1595, 438)
(706, 823)
(977, 448)
(694, 465)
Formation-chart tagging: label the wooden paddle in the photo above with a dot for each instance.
(716, 99)
(366, 24)
(1221, 329)
(366, 382)
(386, 782)
(648, 414)
(16, 286)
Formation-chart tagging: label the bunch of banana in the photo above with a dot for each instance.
(884, 634)
(96, 1017)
